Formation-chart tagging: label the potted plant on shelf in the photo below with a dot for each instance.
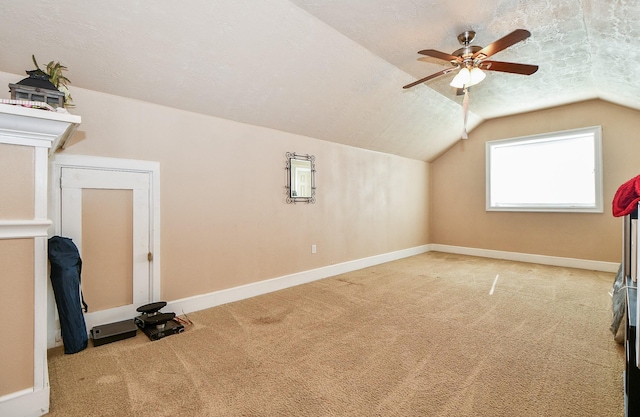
(54, 71)
(48, 87)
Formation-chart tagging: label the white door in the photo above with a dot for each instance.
(110, 214)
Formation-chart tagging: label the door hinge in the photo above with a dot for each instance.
(150, 256)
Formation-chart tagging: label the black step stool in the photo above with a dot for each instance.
(156, 324)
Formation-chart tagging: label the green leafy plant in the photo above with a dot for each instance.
(54, 71)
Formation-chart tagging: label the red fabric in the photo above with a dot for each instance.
(627, 197)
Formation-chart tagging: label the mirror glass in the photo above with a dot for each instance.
(300, 178)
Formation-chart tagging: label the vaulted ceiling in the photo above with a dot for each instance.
(330, 69)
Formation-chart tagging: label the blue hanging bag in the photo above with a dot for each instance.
(66, 268)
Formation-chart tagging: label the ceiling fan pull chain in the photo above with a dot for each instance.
(465, 110)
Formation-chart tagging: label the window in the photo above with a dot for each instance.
(559, 171)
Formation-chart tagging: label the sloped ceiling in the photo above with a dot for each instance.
(329, 69)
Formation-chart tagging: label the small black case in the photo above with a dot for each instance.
(113, 332)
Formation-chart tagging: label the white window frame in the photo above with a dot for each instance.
(593, 131)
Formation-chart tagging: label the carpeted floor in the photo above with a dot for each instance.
(431, 335)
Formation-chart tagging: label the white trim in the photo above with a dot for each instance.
(20, 229)
(593, 132)
(529, 257)
(86, 161)
(35, 127)
(204, 301)
(40, 370)
(39, 114)
(25, 403)
(216, 298)
(105, 178)
(36, 140)
(110, 316)
(60, 161)
(41, 157)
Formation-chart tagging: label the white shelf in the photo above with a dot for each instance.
(36, 127)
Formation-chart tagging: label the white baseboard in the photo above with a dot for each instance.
(213, 299)
(528, 257)
(25, 403)
(216, 298)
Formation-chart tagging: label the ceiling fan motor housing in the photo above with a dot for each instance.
(466, 37)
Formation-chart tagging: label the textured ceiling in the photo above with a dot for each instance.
(330, 69)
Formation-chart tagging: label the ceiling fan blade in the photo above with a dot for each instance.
(524, 69)
(428, 59)
(430, 77)
(440, 55)
(502, 43)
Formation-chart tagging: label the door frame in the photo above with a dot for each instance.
(152, 168)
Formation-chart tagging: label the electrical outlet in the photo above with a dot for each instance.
(313, 248)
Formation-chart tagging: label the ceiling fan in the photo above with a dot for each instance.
(471, 60)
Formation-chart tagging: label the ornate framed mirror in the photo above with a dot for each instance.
(301, 178)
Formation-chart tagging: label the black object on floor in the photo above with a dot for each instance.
(155, 324)
(113, 332)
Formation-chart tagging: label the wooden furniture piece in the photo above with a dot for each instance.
(27, 137)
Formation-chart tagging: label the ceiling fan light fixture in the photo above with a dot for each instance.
(461, 79)
(468, 58)
(476, 75)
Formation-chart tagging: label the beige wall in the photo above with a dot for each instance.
(16, 269)
(16, 182)
(458, 215)
(107, 228)
(16, 298)
(224, 220)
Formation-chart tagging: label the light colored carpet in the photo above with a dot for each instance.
(421, 336)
